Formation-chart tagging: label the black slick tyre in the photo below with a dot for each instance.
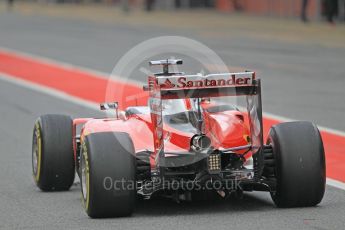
(299, 163)
(52, 153)
(108, 169)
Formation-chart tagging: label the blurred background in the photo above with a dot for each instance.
(313, 9)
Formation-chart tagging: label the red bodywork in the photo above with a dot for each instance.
(226, 129)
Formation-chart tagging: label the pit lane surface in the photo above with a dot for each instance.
(25, 207)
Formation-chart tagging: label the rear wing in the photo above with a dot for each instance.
(198, 86)
(166, 86)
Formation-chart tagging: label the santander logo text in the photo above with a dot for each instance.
(205, 82)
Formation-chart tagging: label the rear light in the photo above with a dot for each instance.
(214, 162)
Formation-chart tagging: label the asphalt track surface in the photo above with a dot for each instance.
(23, 206)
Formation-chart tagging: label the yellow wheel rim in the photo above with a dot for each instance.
(85, 177)
(37, 152)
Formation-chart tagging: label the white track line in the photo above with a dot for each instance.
(49, 91)
(285, 119)
(335, 183)
(61, 95)
(66, 65)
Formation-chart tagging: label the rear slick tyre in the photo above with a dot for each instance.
(299, 164)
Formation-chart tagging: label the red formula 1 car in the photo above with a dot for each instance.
(188, 139)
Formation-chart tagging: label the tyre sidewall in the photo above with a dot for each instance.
(300, 164)
(57, 166)
(110, 159)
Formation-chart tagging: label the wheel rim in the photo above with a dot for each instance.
(34, 156)
(36, 153)
(274, 174)
(83, 178)
(84, 165)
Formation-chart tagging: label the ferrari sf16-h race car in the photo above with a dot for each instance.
(187, 139)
